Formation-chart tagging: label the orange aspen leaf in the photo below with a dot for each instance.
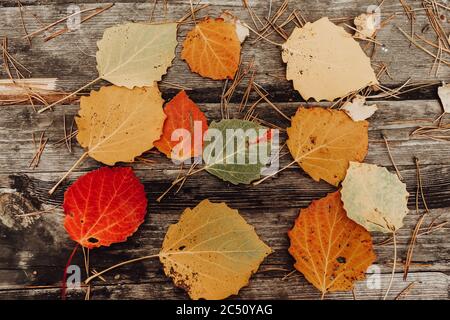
(182, 113)
(324, 141)
(212, 49)
(330, 250)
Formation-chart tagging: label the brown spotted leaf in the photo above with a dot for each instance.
(212, 251)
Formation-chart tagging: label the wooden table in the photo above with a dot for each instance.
(34, 248)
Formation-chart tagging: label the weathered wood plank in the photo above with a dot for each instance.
(35, 249)
(427, 286)
(395, 120)
(292, 188)
(73, 63)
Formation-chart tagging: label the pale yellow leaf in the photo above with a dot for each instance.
(366, 24)
(212, 251)
(374, 197)
(358, 110)
(242, 31)
(444, 95)
(136, 54)
(325, 62)
(117, 124)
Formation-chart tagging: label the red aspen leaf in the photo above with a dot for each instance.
(182, 113)
(212, 49)
(331, 250)
(104, 206)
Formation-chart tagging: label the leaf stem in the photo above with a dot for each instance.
(83, 156)
(260, 35)
(119, 265)
(274, 174)
(393, 267)
(64, 280)
(177, 181)
(70, 95)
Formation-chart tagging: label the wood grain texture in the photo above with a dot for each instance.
(34, 249)
(71, 57)
(427, 286)
(270, 207)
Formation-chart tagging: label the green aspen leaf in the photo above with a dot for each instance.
(374, 198)
(236, 151)
(136, 54)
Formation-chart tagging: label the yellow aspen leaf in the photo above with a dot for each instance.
(212, 49)
(324, 141)
(212, 251)
(330, 250)
(117, 124)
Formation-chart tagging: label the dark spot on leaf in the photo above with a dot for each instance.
(341, 260)
(92, 240)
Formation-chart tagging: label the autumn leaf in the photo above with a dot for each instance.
(444, 95)
(330, 250)
(366, 25)
(212, 252)
(182, 113)
(133, 55)
(358, 110)
(241, 30)
(212, 49)
(118, 124)
(325, 62)
(374, 197)
(243, 164)
(104, 206)
(324, 141)
(136, 54)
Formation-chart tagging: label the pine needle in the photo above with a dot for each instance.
(66, 29)
(419, 191)
(34, 163)
(392, 158)
(418, 45)
(405, 291)
(53, 24)
(19, 4)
